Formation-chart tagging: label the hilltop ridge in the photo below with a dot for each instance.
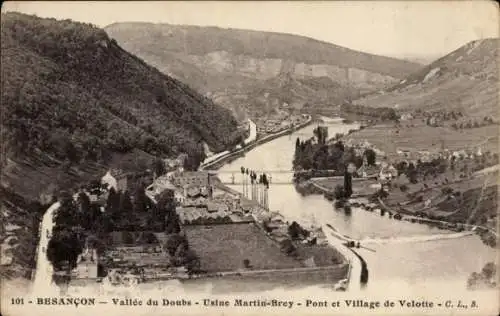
(465, 79)
(237, 67)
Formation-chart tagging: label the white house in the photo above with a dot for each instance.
(179, 197)
(427, 203)
(406, 117)
(110, 181)
(388, 172)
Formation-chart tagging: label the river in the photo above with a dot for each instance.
(412, 263)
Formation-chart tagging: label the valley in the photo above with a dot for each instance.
(159, 156)
(74, 104)
(252, 72)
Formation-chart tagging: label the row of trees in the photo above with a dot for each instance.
(422, 169)
(487, 120)
(259, 186)
(321, 134)
(441, 115)
(180, 252)
(310, 156)
(382, 113)
(68, 238)
(138, 212)
(430, 169)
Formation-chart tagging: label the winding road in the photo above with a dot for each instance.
(250, 139)
(43, 274)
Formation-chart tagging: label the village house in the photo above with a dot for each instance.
(406, 117)
(175, 164)
(199, 178)
(138, 241)
(161, 184)
(120, 180)
(188, 213)
(225, 197)
(179, 197)
(246, 206)
(195, 191)
(212, 211)
(404, 152)
(197, 202)
(116, 179)
(366, 171)
(217, 207)
(388, 172)
(86, 267)
(99, 200)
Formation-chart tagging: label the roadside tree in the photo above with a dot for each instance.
(371, 156)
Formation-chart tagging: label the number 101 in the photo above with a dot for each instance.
(17, 301)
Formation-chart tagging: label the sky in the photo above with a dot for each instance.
(403, 29)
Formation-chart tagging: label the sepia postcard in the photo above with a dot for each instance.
(249, 158)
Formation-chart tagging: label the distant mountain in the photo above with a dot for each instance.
(466, 79)
(73, 99)
(420, 60)
(232, 65)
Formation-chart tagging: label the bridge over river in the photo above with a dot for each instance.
(274, 176)
(401, 250)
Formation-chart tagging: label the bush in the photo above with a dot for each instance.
(176, 242)
(339, 204)
(339, 192)
(447, 190)
(246, 263)
(296, 231)
(371, 156)
(288, 247)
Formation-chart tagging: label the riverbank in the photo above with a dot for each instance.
(448, 198)
(217, 163)
(377, 205)
(361, 187)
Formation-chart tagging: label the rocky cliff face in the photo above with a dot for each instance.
(234, 65)
(267, 68)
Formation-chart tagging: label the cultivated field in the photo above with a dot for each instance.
(420, 137)
(359, 187)
(224, 247)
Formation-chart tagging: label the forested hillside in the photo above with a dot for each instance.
(74, 104)
(72, 93)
